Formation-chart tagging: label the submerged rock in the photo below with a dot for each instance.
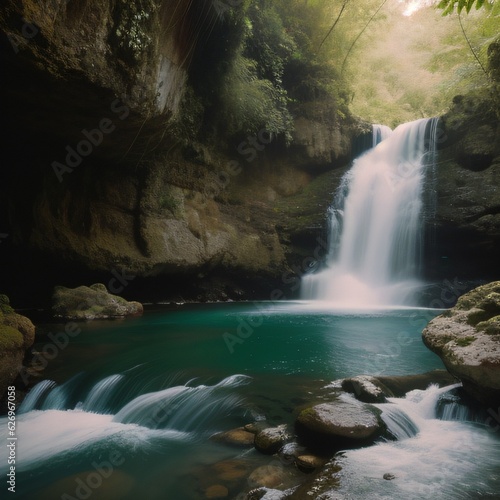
(270, 476)
(467, 339)
(94, 302)
(230, 470)
(216, 491)
(338, 424)
(91, 484)
(237, 437)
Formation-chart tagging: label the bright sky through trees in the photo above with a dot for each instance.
(413, 5)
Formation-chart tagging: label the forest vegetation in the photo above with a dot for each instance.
(385, 61)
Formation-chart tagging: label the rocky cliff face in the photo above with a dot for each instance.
(465, 232)
(97, 181)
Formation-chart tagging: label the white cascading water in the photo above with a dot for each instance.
(375, 223)
(177, 414)
(431, 458)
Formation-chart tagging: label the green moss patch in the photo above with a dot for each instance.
(5, 304)
(10, 338)
(491, 326)
(465, 341)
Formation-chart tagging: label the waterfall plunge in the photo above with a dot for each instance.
(375, 239)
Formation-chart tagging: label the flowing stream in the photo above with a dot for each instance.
(435, 455)
(141, 398)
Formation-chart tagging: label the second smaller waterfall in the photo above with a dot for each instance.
(375, 240)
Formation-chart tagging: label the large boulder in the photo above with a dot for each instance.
(94, 302)
(467, 339)
(17, 333)
(342, 423)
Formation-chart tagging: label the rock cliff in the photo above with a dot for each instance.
(465, 228)
(99, 180)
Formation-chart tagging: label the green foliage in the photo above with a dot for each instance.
(190, 117)
(265, 56)
(250, 103)
(448, 6)
(431, 64)
(262, 57)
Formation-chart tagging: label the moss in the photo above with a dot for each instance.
(169, 202)
(465, 341)
(10, 338)
(491, 326)
(99, 287)
(476, 316)
(5, 304)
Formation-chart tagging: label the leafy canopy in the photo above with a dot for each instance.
(448, 6)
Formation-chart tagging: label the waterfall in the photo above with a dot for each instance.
(375, 222)
(380, 133)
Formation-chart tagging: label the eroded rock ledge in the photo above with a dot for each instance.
(467, 339)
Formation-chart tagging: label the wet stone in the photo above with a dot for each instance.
(216, 491)
(236, 437)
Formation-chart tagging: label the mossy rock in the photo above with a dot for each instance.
(21, 324)
(10, 339)
(94, 302)
(491, 326)
(467, 341)
(5, 304)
